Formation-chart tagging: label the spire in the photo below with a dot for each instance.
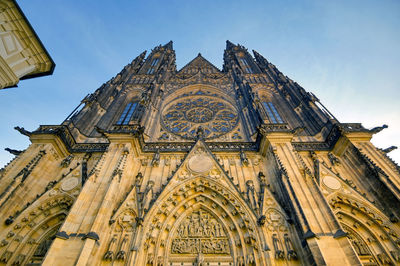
(169, 45)
(229, 45)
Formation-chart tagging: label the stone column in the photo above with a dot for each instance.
(320, 229)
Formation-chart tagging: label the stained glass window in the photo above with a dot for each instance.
(152, 65)
(127, 113)
(272, 113)
(246, 65)
(184, 116)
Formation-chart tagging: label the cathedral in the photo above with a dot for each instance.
(200, 166)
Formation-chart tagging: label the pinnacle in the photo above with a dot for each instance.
(229, 44)
(169, 45)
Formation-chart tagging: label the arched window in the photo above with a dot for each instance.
(272, 113)
(246, 66)
(153, 65)
(127, 114)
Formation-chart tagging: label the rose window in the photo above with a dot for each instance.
(184, 116)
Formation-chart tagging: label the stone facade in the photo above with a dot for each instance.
(22, 54)
(201, 166)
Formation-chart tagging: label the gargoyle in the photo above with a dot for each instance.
(378, 129)
(23, 131)
(14, 152)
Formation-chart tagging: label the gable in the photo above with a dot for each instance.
(199, 63)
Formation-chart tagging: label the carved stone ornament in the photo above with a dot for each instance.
(69, 184)
(200, 163)
(199, 233)
(331, 182)
(184, 116)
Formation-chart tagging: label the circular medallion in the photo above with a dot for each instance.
(185, 115)
(331, 182)
(200, 164)
(69, 184)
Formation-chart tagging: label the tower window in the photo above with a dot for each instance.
(127, 114)
(246, 65)
(152, 65)
(272, 113)
(155, 61)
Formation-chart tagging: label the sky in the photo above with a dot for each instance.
(345, 52)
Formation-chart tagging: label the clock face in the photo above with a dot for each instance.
(185, 115)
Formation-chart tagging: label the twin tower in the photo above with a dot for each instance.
(200, 166)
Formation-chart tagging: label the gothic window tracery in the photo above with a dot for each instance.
(272, 113)
(153, 65)
(246, 65)
(127, 113)
(185, 115)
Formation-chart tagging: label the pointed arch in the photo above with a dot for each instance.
(32, 226)
(200, 192)
(369, 224)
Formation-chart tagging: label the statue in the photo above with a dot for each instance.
(334, 160)
(67, 160)
(148, 196)
(156, 158)
(200, 133)
(243, 158)
(251, 197)
(139, 179)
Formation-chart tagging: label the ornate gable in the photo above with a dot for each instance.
(199, 63)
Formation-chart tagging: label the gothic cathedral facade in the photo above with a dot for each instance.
(201, 166)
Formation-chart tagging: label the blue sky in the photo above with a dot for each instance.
(345, 52)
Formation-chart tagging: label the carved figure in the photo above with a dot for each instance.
(19, 260)
(243, 158)
(378, 129)
(6, 256)
(148, 196)
(13, 152)
(156, 158)
(200, 232)
(23, 131)
(384, 259)
(139, 179)
(251, 197)
(160, 261)
(262, 179)
(43, 247)
(391, 148)
(334, 160)
(67, 161)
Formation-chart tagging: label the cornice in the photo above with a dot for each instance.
(64, 133)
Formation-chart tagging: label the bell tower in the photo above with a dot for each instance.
(200, 166)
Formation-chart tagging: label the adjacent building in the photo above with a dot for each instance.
(22, 54)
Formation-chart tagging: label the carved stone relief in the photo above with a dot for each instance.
(200, 233)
